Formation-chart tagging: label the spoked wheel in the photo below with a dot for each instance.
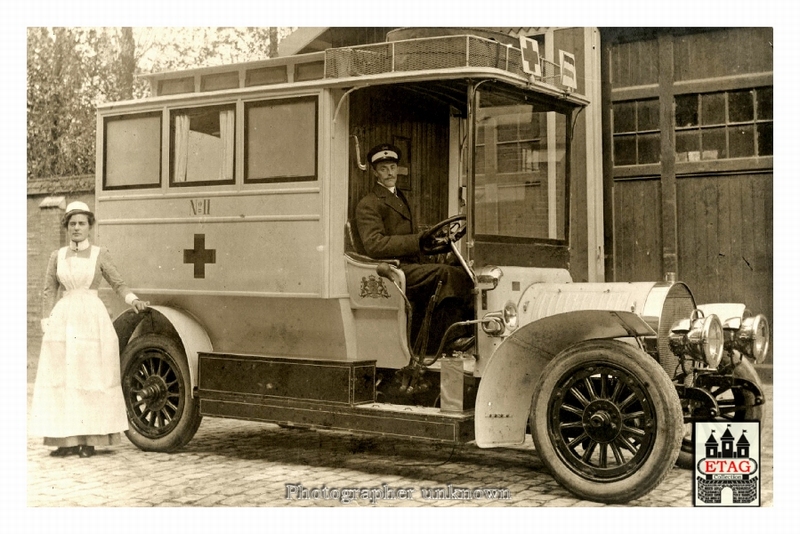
(735, 404)
(606, 421)
(162, 413)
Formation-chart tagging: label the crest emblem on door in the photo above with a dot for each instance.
(373, 287)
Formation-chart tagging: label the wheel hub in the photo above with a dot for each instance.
(602, 421)
(154, 391)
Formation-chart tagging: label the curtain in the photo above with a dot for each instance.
(226, 130)
(181, 147)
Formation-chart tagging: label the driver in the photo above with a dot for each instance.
(386, 228)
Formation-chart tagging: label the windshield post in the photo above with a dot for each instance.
(571, 118)
(473, 105)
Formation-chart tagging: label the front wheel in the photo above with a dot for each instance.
(162, 413)
(735, 403)
(606, 421)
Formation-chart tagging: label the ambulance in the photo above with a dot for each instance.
(228, 196)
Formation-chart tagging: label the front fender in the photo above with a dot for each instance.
(168, 321)
(510, 377)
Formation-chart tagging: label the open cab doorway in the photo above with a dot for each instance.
(491, 153)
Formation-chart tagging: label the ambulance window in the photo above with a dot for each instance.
(202, 146)
(281, 140)
(132, 155)
(520, 172)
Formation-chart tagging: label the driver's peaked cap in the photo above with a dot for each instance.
(384, 152)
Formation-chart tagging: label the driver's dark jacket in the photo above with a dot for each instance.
(387, 231)
(385, 226)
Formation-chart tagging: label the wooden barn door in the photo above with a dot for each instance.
(725, 238)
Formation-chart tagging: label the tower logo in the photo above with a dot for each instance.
(727, 463)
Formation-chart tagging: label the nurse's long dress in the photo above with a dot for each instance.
(77, 397)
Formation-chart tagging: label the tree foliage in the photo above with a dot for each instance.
(72, 70)
(180, 48)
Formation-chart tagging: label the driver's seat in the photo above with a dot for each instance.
(354, 248)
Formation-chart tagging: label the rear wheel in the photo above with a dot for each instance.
(162, 413)
(606, 421)
(735, 404)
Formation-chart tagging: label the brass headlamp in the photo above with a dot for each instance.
(699, 337)
(749, 335)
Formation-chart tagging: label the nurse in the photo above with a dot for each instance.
(77, 398)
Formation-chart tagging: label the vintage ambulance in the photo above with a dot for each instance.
(228, 198)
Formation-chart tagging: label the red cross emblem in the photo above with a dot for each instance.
(199, 255)
(530, 56)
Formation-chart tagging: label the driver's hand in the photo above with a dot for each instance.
(433, 241)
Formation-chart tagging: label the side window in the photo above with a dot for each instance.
(637, 138)
(729, 124)
(281, 140)
(132, 151)
(202, 145)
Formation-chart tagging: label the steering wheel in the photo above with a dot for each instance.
(437, 239)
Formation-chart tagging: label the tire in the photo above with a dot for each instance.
(606, 421)
(744, 401)
(162, 414)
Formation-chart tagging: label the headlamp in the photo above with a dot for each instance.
(699, 338)
(510, 316)
(752, 337)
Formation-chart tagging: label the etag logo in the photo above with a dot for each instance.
(708, 466)
(727, 459)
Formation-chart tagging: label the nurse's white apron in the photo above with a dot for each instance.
(77, 390)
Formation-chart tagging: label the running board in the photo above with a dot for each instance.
(407, 422)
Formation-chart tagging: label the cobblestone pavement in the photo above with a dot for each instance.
(238, 463)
